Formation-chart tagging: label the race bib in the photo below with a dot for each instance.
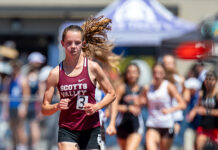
(81, 101)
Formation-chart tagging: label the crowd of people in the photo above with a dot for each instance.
(182, 111)
(22, 89)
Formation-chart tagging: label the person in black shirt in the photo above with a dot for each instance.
(129, 122)
(207, 108)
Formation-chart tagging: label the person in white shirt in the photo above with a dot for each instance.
(172, 76)
(158, 98)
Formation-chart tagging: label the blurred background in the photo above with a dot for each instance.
(142, 30)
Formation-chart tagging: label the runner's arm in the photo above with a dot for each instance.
(47, 107)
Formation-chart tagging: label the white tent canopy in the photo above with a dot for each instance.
(143, 22)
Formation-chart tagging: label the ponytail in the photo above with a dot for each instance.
(96, 43)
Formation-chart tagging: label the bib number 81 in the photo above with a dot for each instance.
(81, 101)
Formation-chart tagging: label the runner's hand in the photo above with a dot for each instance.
(135, 110)
(63, 104)
(165, 111)
(111, 130)
(90, 109)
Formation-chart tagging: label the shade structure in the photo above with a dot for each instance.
(169, 45)
(143, 22)
(140, 23)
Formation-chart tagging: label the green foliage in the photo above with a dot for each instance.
(150, 60)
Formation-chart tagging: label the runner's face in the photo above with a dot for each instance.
(132, 74)
(72, 43)
(169, 63)
(158, 73)
(210, 82)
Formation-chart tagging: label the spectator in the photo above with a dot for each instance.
(207, 108)
(33, 111)
(191, 95)
(19, 92)
(51, 122)
(35, 61)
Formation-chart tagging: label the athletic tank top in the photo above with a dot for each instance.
(79, 90)
(15, 92)
(128, 91)
(177, 115)
(127, 116)
(157, 100)
(208, 121)
(128, 119)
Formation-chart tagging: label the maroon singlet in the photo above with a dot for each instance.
(80, 90)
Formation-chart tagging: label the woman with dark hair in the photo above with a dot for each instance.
(130, 125)
(76, 77)
(207, 108)
(158, 98)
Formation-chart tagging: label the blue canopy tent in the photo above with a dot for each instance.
(143, 23)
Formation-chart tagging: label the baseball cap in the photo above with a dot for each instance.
(192, 83)
(36, 57)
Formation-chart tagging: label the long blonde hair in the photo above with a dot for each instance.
(96, 44)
